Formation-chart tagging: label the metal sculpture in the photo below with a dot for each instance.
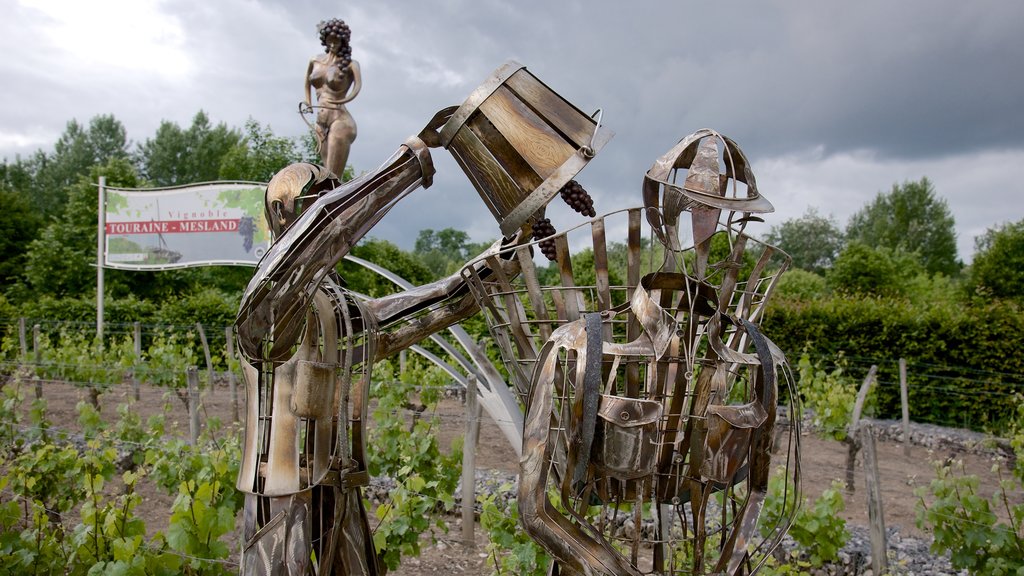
(336, 79)
(640, 391)
(309, 345)
(651, 392)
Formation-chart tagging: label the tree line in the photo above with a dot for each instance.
(900, 244)
(889, 282)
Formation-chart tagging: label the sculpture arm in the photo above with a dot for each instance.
(275, 301)
(357, 83)
(447, 301)
(308, 85)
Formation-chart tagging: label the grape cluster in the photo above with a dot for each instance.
(246, 229)
(578, 199)
(543, 230)
(337, 27)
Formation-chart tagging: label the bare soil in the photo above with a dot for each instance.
(822, 462)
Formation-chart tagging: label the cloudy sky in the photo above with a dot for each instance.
(832, 102)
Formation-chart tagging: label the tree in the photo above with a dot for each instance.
(910, 219)
(812, 240)
(258, 155)
(388, 255)
(60, 262)
(19, 226)
(864, 270)
(444, 251)
(175, 156)
(801, 285)
(998, 267)
(76, 151)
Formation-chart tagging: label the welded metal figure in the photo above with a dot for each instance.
(651, 392)
(308, 345)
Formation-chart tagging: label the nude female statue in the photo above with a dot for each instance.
(336, 79)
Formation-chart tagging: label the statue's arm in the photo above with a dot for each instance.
(409, 317)
(275, 301)
(308, 86)
(357, 83)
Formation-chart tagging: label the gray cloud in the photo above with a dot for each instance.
(832, 102)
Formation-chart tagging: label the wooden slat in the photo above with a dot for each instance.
(633, 281)
(529, 274)
(876, 511)
(731, 276)
(571, 295)
(604, 293)
(488, 201)
(508, 157)
(559, 302)
(559, 113)
(283, 454)
(486, 171)
(250, 450)
(543, 148)
(515, 311)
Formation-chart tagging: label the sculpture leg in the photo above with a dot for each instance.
(339, 138)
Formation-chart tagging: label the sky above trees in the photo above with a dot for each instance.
(832, 103)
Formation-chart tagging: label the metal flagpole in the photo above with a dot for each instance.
(101, 225)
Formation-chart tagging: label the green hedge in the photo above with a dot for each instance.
(965, 362)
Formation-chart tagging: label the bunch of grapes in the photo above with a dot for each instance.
(246, 229)
(543, 230)
(337, 27)
(578, 199)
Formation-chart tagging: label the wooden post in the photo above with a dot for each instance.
(401, 362)
(469, 464)
(862, 394)
(229, 339)
(906, 407)
(876, 514)
(193, 404)
(38, 355)
(137, 339)
(852, 441)
(21, 338)
(206, 354)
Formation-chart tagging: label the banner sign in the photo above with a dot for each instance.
(205, 224)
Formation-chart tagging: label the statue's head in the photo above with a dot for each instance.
(335, 37)
(707, 176)
(292, 188)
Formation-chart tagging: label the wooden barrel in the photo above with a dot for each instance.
(519, 142)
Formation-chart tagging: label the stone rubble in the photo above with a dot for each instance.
(907, 556)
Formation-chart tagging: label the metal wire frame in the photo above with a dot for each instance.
(651, 523)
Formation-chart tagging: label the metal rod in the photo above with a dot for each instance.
(906, 406)
(38, 360)
(21, 339)
(469, 464)
(207, 356)
(193, 404)
(137, 340)
(101, 235)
